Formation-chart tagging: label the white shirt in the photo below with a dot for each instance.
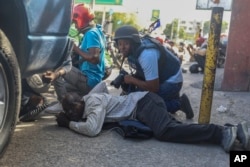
(103, 107)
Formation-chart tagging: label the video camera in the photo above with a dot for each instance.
(117, 82)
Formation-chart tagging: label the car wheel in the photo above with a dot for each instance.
(10, 94)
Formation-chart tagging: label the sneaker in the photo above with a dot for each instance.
(54, 109)
(32, 114)
(228, 137)
(242, 134)
(186, 106)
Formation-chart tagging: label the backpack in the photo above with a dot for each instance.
(132, 129)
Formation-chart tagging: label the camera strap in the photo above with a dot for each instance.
(123, 58)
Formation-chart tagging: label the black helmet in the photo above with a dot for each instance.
(127, 32)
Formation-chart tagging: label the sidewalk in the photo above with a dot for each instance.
(227, 107)
(236, 103)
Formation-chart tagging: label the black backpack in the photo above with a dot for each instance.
(133, 129)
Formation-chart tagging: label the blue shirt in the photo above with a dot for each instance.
(93, 38)
(149, 63)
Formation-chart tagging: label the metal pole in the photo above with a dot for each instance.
(92, 5)
(210, 65)
(178, 29)
(104, 17)
(172, 29)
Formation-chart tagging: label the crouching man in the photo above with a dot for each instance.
(88, 114)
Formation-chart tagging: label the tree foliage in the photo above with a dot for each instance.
(118, 19)
(206, 27)
(171, 29)
(168, 30)
(182, 33)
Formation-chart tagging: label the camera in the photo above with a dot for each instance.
(119, 79)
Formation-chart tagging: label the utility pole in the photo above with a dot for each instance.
(92, 5)
(172, 30)
(210, 65)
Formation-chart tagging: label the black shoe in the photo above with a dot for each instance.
(31, 115)
(186, 106)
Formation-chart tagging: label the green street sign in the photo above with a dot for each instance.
(155, 15)
(101, 2)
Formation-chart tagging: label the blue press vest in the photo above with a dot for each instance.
(168, 64)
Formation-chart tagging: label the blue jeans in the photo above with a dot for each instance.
(170, 92)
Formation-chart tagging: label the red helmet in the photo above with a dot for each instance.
(159, 39)
(82, 16)
(199, 41)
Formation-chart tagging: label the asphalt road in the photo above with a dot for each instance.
(43, 144)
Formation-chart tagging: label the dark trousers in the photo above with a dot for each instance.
(170, 92)
(152, 111)
(73, 81)
(200, 60)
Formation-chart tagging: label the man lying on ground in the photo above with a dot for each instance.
(87, 115)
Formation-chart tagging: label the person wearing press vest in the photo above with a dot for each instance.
(155, 72)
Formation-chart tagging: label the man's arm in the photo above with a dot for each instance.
(95, 119)
(151, 85)
(92, 56)
(149, 63)
(201, 51)
(66, 66)
(100, 88)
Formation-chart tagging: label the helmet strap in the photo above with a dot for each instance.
(84, 30)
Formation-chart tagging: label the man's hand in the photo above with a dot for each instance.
(152, 85)
(76, 48)
(50, 76)
(62, 120)
(128, 79)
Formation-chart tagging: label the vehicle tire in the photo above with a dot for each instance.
(10, 94)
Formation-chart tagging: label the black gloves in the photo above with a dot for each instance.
(62, 120)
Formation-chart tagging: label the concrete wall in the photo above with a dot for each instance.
(237, 67)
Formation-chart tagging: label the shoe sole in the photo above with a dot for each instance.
(32, 115)
(244, 129)
(189, 115)
(234, 132)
